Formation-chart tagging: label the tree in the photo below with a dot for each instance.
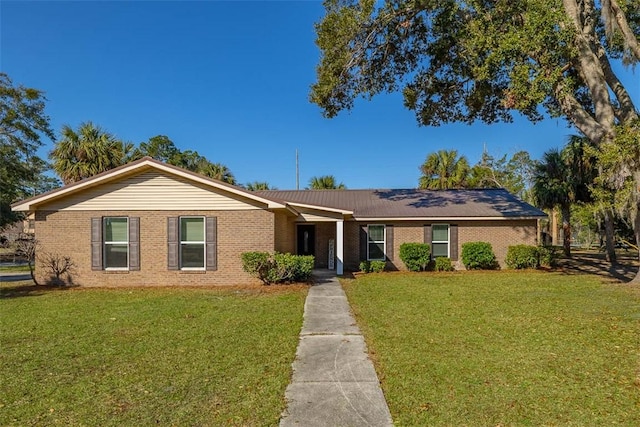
(460, 61)
(562, 179)
(86, 152)
(159, 147)
(514, 174)
(23, 123)
(325, 182)
(444, 170)
(258, 185)
(551, 188)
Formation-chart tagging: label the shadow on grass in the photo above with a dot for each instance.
(593, 262)
(29, 290)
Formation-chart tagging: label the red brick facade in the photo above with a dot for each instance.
(68, 233)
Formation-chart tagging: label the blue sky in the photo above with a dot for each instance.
(231, 80)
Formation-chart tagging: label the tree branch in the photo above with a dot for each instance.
(629, 38)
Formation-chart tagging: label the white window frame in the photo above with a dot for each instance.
(191, 242)
(105, 243)
(383, 241)
(448, 241)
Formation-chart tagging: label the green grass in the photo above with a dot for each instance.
(502, 348)
(14, 268)
(141, 356)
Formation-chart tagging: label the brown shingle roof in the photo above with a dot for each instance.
(413, 203)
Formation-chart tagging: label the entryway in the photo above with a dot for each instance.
(306, 239)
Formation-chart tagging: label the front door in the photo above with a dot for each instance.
(306, 239)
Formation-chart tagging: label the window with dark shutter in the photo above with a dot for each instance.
(212, 243)
(389, 242)
(134, 243)
(96, 243)
(173, 243)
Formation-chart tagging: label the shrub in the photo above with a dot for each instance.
(365, 266)
(443, 264)
(257, 264)
(378, 266)
(478, 256)
(548, 256)
(278, 267)
(415, 256)
(523, 256)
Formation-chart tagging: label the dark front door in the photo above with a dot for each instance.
(306, 240)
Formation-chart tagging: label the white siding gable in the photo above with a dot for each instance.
(152, 190)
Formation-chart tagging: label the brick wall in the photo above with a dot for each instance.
(69, 233)
(285, 233)
(501, 235)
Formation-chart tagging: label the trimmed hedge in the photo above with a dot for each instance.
(372, 266)
(443, 264)
(415, 256)
(478, 256)
(528, 256)
(278, 267)
(523, 256)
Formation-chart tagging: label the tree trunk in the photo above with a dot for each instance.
(610, 249)
(33, 273)
(566, 229)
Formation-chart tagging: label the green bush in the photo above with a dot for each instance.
(415, 256)
(365, 266)
(278, 267)
(548, 256)
(372, 266)
(378, 266)
(523, 256)
(478, 256)
(443, 264)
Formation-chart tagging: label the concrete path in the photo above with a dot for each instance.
(334, 382)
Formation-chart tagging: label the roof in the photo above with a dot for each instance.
(132, 168)
(412, 203)
(359, 204)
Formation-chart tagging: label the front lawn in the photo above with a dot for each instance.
(140, 356)
(502, 348)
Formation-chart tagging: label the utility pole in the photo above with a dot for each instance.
(297, 172)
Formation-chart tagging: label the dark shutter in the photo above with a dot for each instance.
(427, 236)
(134, 243)
(211, 231)
(173, 244)
(96, 243)
(453, 242)
(389, 242)
(363, 243)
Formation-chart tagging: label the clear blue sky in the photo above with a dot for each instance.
(230, 80)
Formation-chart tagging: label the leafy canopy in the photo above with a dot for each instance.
(23, 124)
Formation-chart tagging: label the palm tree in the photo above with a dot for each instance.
(552, 188)
(258, 185)
(216, 171)
(86, 152)
(325, 182)
(444, 170)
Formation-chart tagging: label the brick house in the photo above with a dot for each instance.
(149, 223)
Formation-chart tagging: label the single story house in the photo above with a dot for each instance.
(149, 223)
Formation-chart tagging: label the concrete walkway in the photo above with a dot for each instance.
(334, 382)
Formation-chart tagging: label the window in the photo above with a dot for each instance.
(192, 243)
(440, 240)
(376, 242)
(116, 243)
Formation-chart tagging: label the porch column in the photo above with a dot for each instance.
(340, 247)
